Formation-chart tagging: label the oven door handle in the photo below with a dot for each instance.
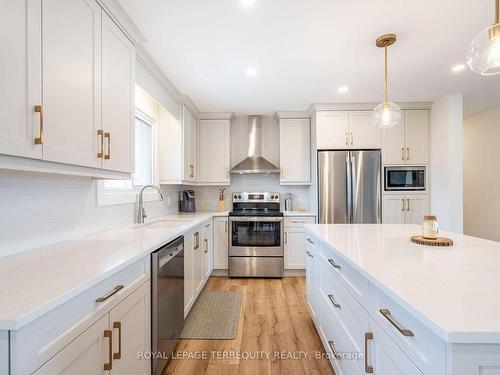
(256, 218)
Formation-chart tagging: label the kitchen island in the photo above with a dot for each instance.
(404, 308)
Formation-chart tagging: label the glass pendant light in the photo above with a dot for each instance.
(386, 114)
(483, 55)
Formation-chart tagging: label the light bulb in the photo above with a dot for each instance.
(494, 53)
(387, 115)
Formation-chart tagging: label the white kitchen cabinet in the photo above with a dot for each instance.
(363, 133)
(332, 130)
(71, 81)
(20, 80)
(385, 357)
(118, 82)
(221, 243)
(312, 277)
(294, 237)
(208, 251)
(189, 243)
(87, 354)
(130, 322)
(190, 142)
(198, 259)
(346, 130)
(214, 158)
(295, 151)
(113, 341)
(404, 208)
(408, 142)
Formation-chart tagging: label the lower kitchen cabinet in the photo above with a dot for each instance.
(404, 208)
(208, 251)
(312, 280)
(294, 237)
(110, 345)
(221, 243)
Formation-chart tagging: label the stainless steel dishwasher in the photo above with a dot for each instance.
(167, 301)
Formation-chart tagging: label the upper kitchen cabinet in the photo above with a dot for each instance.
(69, 74)
(118, 82)
(295, 151)
(190, 141)
(408, 142)
(214, 158)
(346, 130)
(20, 78)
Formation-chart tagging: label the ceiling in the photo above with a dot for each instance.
(304, 50)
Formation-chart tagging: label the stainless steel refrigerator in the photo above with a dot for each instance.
(349, 187)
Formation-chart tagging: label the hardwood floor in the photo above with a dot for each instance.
(275, 331)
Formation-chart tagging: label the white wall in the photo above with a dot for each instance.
(446, 136)
(482, 174)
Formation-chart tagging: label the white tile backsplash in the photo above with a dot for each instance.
(40, 209)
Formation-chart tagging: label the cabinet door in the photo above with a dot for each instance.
(87, 354)
(20, 78)
(363, 133)
(312, 278)
(295, 153)
(295, 256)
(188, 272)
(221, 238)
(417, 136)
(393, 143)
(416, 208)
(131, 325)
(332, 129)
(214, 151)
(189, 134)
(198, 263)
(118, 83)
(208, 255)
(386, 357)
(393, 209)
(71, 40)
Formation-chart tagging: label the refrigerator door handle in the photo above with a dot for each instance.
(349, 188)
(354, 188)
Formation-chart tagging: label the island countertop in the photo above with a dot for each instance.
(455, 291)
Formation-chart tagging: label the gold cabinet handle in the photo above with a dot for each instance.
(286, 237)
(402, 153)
(109, 335)
(225, 226)
(108, 155)
(332, 347)
(403, 204)
(332, 298)
(408, 206)
(197, 240)
(191, 170)
(407, 153)
(335, 265)
(115, 290)
(352, 139)
(309, 254)
(387, 314)
(100, 154)
(346, 138)
(368, 337)
(39, 140)
(206, 246)
(118, 326)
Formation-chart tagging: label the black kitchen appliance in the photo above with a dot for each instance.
(187, 201)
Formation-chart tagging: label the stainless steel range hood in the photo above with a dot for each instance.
(255, 163)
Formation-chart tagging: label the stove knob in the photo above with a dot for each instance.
(239, 196)
(272, 196)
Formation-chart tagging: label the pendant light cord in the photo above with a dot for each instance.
(497, 12)
(385, 81)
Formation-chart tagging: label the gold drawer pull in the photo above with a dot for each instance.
(368, 337)
(309, 254)
(115, 290)
(100, 154)
(109, 335)
(206, 246)
(118, 326)
(335, 265)
(332, 298)
(39, 140)
(108, 155)
(387, 314)
(332, 347)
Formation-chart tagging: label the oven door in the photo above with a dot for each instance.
(404, 178)
(256, 236)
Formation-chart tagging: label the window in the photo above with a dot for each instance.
(143, 174)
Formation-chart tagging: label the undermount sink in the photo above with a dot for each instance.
(163, 224)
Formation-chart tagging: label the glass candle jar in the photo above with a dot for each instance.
(430, 227)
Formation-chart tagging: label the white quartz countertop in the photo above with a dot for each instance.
(454, 291)
(37, 281)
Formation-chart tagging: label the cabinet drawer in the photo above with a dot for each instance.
(356, 284)
(423, 347)
(37, 342)
(298, 221)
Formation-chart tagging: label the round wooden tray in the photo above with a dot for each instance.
(440, 241)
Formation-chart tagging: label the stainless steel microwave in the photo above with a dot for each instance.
(404, 178)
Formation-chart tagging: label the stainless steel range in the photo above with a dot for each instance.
(256, 235)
